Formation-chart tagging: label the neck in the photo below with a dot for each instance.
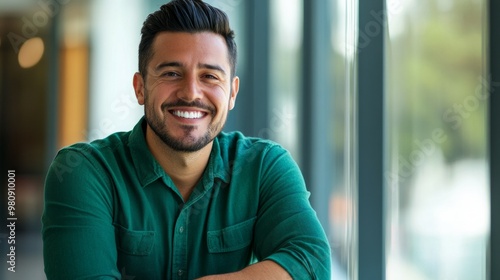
(184, 168)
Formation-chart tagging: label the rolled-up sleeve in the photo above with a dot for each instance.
(287, 230)
(78, 233)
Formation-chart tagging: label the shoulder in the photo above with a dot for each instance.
(114, 143)
(253, 154)
(96, 155)
(238, 143)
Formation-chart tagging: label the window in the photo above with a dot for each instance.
(437, 177)
(383, 103)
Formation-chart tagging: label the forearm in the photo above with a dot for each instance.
(262, 270)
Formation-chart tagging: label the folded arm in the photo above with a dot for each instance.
(289, 240)
(262, 270)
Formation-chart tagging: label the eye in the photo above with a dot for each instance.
(170, 74)
(211, 77)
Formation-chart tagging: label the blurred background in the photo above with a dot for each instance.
(66, 70)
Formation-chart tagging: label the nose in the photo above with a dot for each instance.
(190, 90)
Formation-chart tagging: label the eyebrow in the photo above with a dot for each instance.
(212, 67)
(167, 64)
(201, 65)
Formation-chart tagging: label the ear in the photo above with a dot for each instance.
(235, 87)
(139, 88)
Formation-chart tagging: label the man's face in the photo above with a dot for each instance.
(188, 90)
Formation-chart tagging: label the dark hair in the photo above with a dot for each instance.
(185, 16)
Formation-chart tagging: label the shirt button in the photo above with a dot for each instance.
(181, 230)
(180, 272)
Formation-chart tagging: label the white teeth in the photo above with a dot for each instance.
(188, 115)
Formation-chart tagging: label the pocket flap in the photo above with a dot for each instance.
(231, 238)
(135, 242)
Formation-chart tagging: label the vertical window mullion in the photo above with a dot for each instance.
(370, 115)
(316, 112)
(251, 114)
(52, 96)
(494, 137)
(259, 49)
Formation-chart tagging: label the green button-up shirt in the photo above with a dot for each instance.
(111, 212)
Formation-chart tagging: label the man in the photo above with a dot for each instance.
(176, 198)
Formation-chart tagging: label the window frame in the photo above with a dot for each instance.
(494, 136)
(370, 131)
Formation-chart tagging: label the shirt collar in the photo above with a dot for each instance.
(148, 170)
(218, 164)
(146, 166)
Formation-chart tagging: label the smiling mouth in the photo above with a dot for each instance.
(193, 115)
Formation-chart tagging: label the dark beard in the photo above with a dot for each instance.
(188, 143)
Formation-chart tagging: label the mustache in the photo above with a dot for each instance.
(195, 104)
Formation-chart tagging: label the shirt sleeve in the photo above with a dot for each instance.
(78, 233)
(287, 230)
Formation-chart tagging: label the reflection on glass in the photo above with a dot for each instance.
(436, 172)
(343, 230)
(286, 47)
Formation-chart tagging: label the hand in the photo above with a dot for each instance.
(262, 270)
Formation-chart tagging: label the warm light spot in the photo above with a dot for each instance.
(31, 52)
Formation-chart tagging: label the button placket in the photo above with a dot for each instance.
(180, 247)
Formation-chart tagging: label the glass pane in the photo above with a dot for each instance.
(437, 172)
(286, 47)
(343, 230)
(285, 55)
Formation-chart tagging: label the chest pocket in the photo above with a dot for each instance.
(134, 242)
(231, 238)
